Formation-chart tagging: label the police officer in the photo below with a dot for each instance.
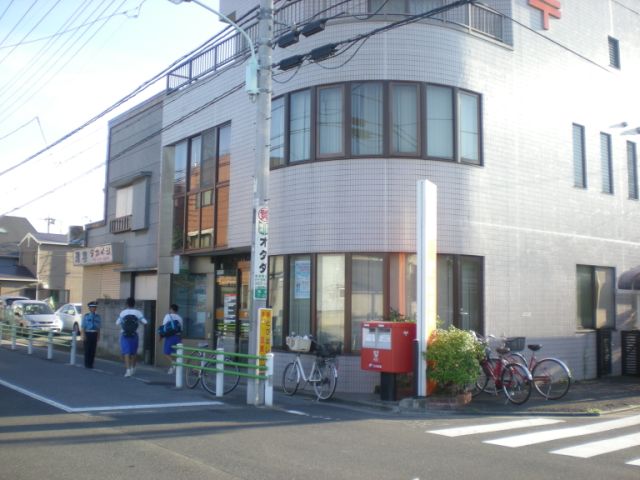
(90, 328)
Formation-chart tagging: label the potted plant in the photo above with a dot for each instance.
(453, 356)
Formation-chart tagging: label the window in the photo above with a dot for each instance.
(300, 126)
(386, 119)
(201, 204)
(579, 162)
(331, 295)
(632, 168)
(189, 291)
(460, 292)
(614, 53)
(330, 123)
(124, 201)
(277, 132)
(606, 167)
(366, 118)
(330, 298)
(595, 289)
(404, 119)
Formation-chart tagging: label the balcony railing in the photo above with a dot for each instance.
(120, 224)
(229, 46)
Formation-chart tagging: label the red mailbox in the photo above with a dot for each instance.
(387, 346)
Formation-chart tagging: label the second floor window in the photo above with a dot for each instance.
(579, 161)
(632, 168)
(124, 201)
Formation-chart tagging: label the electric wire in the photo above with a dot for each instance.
(24, 15)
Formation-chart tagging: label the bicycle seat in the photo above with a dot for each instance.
(203, 344)
(534, 347)
(503, 350)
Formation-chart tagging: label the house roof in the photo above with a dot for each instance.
(12, 231)
(56, 238)
(16, 273)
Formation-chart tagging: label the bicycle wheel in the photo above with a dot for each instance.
(231, 377)
(325, 387)
(485, 381)
(551, 378)
(290, 379)
(515, 383)
(192, 373)
(516, 357)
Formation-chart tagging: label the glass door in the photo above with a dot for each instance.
(231, 328)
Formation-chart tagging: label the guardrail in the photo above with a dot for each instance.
(216, 358)
(16, 334)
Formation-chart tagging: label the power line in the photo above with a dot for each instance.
(24, 15)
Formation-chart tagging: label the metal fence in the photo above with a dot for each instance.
(28, 337)
(229, 47)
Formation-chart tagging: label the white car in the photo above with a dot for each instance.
(36, 315)
(71, 316)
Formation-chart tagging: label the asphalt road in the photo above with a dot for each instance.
(299, 439)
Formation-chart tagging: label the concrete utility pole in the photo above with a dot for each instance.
(259, 244)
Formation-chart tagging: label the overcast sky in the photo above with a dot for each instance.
(61, 63)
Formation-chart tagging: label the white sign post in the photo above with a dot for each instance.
(426, 243)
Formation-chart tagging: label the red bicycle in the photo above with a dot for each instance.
(498, 373)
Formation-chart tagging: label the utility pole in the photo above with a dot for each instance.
(259, 243)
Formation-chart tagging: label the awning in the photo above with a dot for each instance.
(630, 280)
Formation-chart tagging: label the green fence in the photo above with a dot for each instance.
(29, 337)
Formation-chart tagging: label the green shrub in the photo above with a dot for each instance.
(454, 356)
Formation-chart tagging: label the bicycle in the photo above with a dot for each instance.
(512, 378)
(551, 376)
(196, 372)
(323, 374)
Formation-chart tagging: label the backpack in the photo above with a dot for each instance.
(129, 325)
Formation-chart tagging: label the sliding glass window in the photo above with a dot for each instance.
(440, 140)
(366, 118)
(404, 119)
(330, 121)
(300, 126)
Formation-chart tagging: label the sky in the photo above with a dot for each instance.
(62, 62)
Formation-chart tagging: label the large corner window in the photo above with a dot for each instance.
(330, 295)
(189, 291)
(201, 190)
(579, 157)
(595, 290)
(377, 119)
(632, 170)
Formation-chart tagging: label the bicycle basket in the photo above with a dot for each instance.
(329, 349)
(515, 344)
(299, 344)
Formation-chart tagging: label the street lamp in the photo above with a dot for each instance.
(258, 85)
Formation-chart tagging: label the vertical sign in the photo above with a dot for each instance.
(426, 239)
(261, 261)
(264, 346)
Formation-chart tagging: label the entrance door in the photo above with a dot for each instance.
(231, 328)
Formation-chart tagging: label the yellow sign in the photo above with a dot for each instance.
(265, 315)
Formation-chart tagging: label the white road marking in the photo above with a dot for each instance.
(105, 408)
(494, 427)
(297, 412)
(559, 433)
(634, 462)
(600, 447)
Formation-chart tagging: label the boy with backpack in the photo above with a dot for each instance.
(129, 320)
(170, 331)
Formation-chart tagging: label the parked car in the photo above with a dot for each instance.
(71, 316)
(5, 303)
(35, 314)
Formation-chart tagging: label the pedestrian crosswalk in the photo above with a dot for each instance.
(617, 441)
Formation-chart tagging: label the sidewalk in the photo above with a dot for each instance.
(78, 389)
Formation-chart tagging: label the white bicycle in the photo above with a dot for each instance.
(323, 374)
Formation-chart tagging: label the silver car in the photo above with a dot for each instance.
(36, 315)
(71, 316)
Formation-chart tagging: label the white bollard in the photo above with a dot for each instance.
(30, 347)
(268, 385)
(72, 353)
(220, 375)
(50, 345)
(179, 374)
(13, 336)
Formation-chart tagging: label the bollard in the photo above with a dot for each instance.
(220, 375)
(13, 336)
(50, 345)
(72, 353)
(30, 347)
(179, 374)
(268, 385)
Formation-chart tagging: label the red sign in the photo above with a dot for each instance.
(549, 8)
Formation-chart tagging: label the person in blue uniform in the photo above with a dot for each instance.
(90, 329)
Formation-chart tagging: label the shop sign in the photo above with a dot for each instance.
(260, 260)
(549, 8)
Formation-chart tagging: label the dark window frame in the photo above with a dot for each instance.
(632, 169)
(579, 164)
(346, 88)
(606, 163)
(614, 52)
